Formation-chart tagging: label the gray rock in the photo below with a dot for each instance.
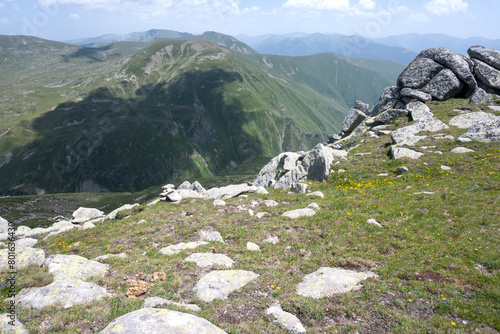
(401, 152)
(456, 63)
(419, 73)
(294, 214)
(388, 116)
(214, 236)
(187, 193)
(444, 85)
(461, 150)
(174, 196)
(484, 131)
(25, 242)
(83, 214)
(292, 178)
(402, 170)
(23, 230)
(318, 162)
(174, 249)
(74, 267)
(168, 186)
(494, 108)
(230, 191)
(418, 110)
(220, 283)
(272, 240)
(261, 214)
(327, 282)
(314, 206)
(270, 203)
(429, 124)
(352, 120)
(487, 74)
(480, 97)
(373, 222)
(465, 121)
(299, 188)
(151, 302)
(262, 191)
(316, 194)
(209, 259)
(219, 202)
(360, 105)
(443, 167)
(486, 55)
(252, 247)
(196, 186)
(186, 185)
(285, 319)
(4, 225)
(160, 321)
(107, 256)
(112, 214)
(6, 328)
(65, 292)
(24, 257)
(416, 94)
(88, 225)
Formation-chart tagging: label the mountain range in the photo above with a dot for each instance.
(132, 114)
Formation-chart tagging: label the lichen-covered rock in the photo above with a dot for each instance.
(294, 214)
(220, 283)
(7, 328)
(83, 214)
(486, 74)
(74, 267)
(455, 62)
(360, 105)
(486, 55)
(66, 292)
(230, 191)
(158, 321)
(418, 110)
(209, 259)
(270, 203)
(24, 257)
(480, 96)
(444, 85)
(465, 121)
(352, 120)
(419, 73)
(151, 302)
(416, 94)
(174, 249)
(327, 282)
(285, 319)
(291, 178)
(318, 162)
(387, 117)
(485, 131)
(405, 134)
(388, 100)
(401, 152)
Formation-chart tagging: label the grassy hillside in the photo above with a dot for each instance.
(436, 253)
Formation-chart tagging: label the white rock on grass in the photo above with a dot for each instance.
(314, 206)
(112, 214)
(7, 328)
(219, 202)
(209, 259)
(88, 225)
(294, 214)
(218, 284)
(24, 257)
(74, 267)
(107, 256)
(253, 247)
(465, 121)
(272, 240)
(174, 249)
(250, 212)
(4, 225)
(26, 242)
(214, 236)
(261, 214)
(327, 282)
(401, 152)
(23, 230)
(270, 203)
(316, 194)
(66, 292)
(373, 222)
(160, 321)
(461, 150)
(151, 302)
(443, 167)
(262, 191)
(285, 319)
(83, 214)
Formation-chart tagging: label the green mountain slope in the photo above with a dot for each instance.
(94, 120)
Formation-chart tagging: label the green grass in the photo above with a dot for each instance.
(436, 254)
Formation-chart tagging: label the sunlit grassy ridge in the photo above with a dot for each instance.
(436, 252)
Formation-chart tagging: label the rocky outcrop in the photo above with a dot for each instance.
(484, 131)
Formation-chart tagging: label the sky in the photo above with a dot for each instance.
(70, 19)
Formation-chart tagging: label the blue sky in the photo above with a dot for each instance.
(68, 19)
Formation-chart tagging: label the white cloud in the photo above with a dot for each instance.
(419, 17)
(446, 7)
(367, 4)
(4, 20)
(74, 16)
(342, 5)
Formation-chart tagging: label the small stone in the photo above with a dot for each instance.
(107, 256)
(445, 167)
(400, 152)
(314, 206)
(261, 214)
(215, 236)
(341, 171)
(209, 259)
(463, 140)
(174, 249)
(270, 203)
(317, 194)
(23, 230)
(461, 150)
(252, 247)
(151, 302)
(383, 174)
(218, 202)
(294, 214)
(285, 319)
(373, 222)
(262, 191)
(299, 188)
(272, 240)
(88, 225)
(250, 212)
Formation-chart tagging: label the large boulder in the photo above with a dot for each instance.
(83, 214)
(10, 325)
(418, 110)
(465, 121)
(74, 267)
(401, 152)
(158, 321)
(25, 256)
(389, 99)
(387, 117)
(486, 74)
(455, 62)
(480, 96)
(485, 131)
(318, 162)
(352, 120)
(416, 94)
(220, 283)
(486, 55)
(419, 73)
(230, 191)
(112, 214)
(444, 85)
(405, 134)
